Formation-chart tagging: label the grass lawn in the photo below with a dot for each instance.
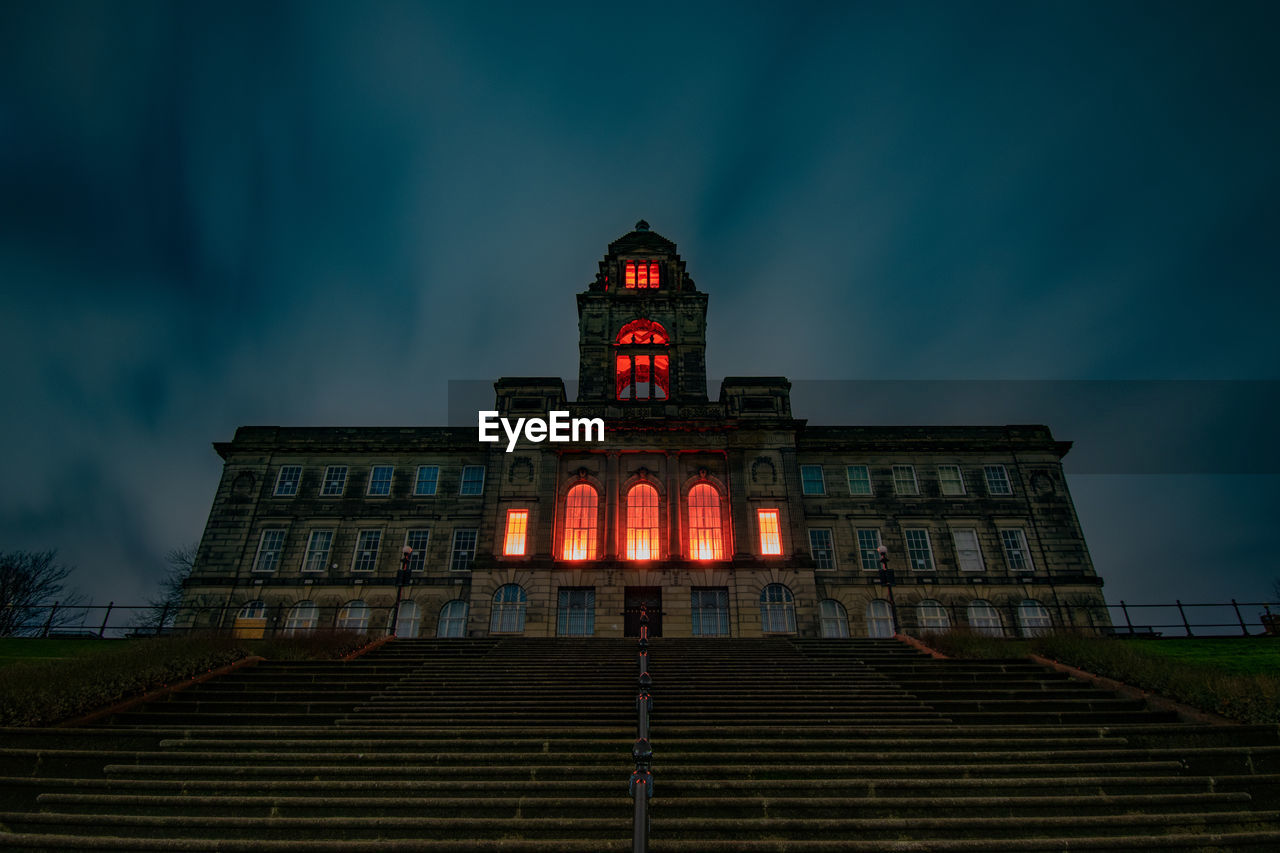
(1236, 655)
(13, 649)
(1235, 677)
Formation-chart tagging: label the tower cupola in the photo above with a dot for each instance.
(642, 328)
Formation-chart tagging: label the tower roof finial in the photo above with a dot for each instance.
(642, 225)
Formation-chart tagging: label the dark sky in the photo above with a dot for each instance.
(319, 213)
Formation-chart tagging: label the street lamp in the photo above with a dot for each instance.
(886, 578)
(402, 577)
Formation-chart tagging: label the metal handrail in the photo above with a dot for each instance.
(641, 786)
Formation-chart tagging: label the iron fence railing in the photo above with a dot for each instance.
(114, 620)
(1196, 619)
(1173, 619)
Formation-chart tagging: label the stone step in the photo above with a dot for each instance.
(759, 745)
(1266, 841)
(526, 821)
(768, 766)
(593, 818)
(587, 781)
(390, 803)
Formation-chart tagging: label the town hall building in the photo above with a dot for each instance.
(726, 517)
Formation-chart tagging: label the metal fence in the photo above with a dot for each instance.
(1124, 619)
(113, 620)
(1196, 619)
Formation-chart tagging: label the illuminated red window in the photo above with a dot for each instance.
(643, 369)
(704, 524)
(770, 539)
(642, 522)
(640, 275)
(580, 523)
(643, 377)
(517, 527)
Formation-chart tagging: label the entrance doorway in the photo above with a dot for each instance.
(651, 598)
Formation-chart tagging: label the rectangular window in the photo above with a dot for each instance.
(868, 549)
(950, 479)
(287, 480)
(859, 480)
(418, 541)
(770, 537)
(997, 480)
(1015, 550)
(517, 526)
(811, 481)
(642, 377)
(472, 480)
(640, 274)
(576, 616)
(824, 553)
(318, 546)
(904, 480)
(919, 554)
(425, 485)
(335, 481)
(710, 607)
(269, 548)
(968, 554)
(464, 550)
(380, 480)
(366, 558)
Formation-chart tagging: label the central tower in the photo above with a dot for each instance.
(642, 330)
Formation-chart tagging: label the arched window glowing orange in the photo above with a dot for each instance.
(705, 541)
(580, 523)
(642, 522)
(643, 365)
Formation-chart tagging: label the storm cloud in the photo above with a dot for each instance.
(319, 214)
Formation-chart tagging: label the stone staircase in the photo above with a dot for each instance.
(524, 745)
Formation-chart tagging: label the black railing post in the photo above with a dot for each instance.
(641, 786)
(48, 623)
(1127, 622)
(103, 628)
(1244, 630)
(1185, 624)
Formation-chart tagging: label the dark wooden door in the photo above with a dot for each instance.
(651, 598)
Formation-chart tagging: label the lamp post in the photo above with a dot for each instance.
(886, 578)
(402, 577)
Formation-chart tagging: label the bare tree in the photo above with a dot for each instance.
(163, 606)
(31, 583)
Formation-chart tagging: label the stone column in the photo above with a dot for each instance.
(548, 484)
(736, 472)
(610, 532)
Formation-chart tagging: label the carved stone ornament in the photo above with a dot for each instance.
(521, 470)
(242, 486)
(763, 471)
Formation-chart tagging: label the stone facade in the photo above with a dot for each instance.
(977, 521)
